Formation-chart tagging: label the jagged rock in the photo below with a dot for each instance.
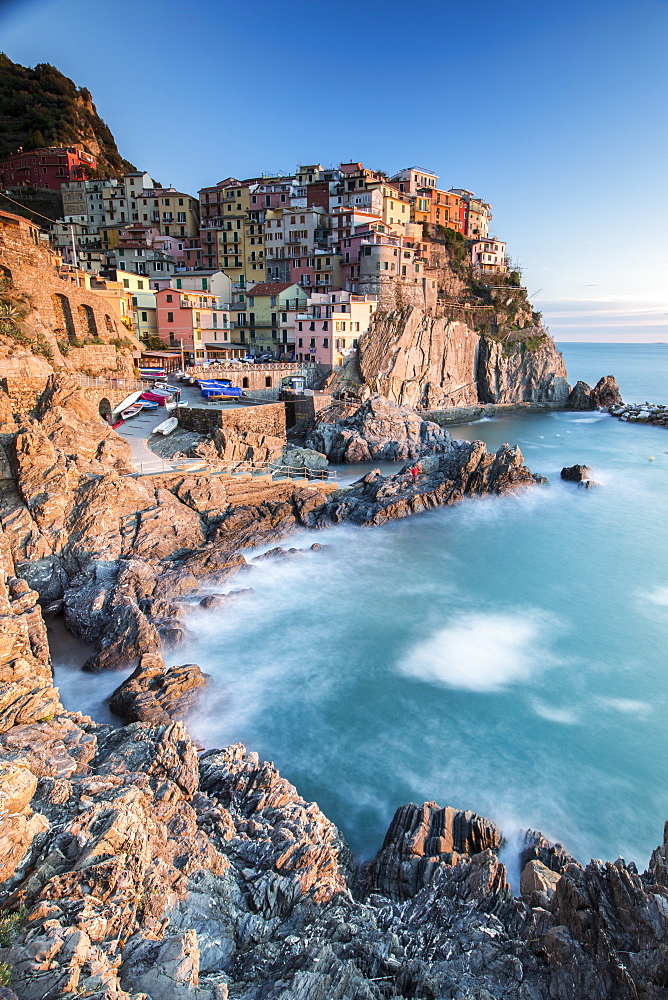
(537, 883)
(419, 841)
(220, 600)
(303, 458)
(576, 473)
(467, 469)
(537, 847)
(378, 429)
(605, 393)
(154, 694)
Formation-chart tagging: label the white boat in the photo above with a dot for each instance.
(128, 401)
(132, 411)
(167, 426)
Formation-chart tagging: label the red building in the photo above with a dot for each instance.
(47, 168)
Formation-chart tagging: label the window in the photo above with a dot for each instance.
(126, 283)
(168, 298)
(170, 317)
(140, 284)
(325, 342)
(299, 342)
(144, 317)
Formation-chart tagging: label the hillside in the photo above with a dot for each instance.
(42, 107)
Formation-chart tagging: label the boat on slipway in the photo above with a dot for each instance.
(131, 411)
(167, 426)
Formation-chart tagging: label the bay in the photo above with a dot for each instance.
(504, 655)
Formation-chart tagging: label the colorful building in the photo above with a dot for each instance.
(192, 320)
(48, 167)
(489, 254)
(329, 329)
(266, 316)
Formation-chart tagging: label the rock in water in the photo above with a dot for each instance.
(157, 695)
(605, 393)
(467, 469)
(378, 429)
(576, 473)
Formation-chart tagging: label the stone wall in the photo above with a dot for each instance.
(266, 418)
(261, 381)
(24, 392)
(60, 309)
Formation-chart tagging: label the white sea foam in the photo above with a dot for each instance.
(657, 596)
(552, 713)
(482, 652)
(630, 706)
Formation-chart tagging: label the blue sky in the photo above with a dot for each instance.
(555, 113)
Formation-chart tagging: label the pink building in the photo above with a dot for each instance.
(328, 331)
(198, 322)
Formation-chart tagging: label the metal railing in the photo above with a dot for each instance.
(231, 469)
(129, 384)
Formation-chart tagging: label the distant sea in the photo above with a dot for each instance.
(505, 655)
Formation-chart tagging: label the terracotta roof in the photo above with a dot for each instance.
(269, 287)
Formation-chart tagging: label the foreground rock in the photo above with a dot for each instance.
(467, 469)
(152, 693)
(377, 430)
(116, 551)
(132, 868)
(605, 393)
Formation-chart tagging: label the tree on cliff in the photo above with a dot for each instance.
(42, 107)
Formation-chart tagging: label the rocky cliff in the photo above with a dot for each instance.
(433, 361)
(133, 867)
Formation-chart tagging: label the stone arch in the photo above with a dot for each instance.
(267, 381)
(87, 318)
(5, 273)
(104, 409)
(244, 382)
(63, 314)
(109, 324)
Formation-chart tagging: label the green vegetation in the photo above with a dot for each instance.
(455, 244)
(153, 343)
(5, 974)
(123, 342)
(10, 925)
(42, 107)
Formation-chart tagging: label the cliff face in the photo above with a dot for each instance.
(42, 107)
(433, 362)
(521, 372)
(420, 360)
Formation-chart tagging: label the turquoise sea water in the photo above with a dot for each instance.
(506, 655)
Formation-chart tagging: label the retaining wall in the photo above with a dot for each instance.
(266, 418)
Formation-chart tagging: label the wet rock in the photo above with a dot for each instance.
(419, 841)
(605, 393)
(467, 469)
(378, 429)
(155, 694)
(589, 484)
(220, 600)
(576, 473)
(277, 553)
